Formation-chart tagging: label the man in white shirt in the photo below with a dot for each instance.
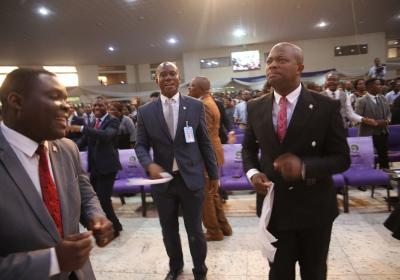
(377, 71)
(44, 191)
(394, 94)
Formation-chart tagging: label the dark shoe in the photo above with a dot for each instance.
(214, 237)
(200, 277)
(362, 188)
(173, 274)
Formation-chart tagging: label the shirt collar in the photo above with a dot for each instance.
(291, 97)
(164, 98)
(103, 117)
(20, 141)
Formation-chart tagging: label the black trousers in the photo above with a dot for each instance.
(191, 202)
(381, 146)
(309, 247)
(103, 185)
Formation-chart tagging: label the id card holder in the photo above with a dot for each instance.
(189, 135)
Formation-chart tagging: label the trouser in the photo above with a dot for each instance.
(168, 203)
(308, 246)
(381, 145)
(213, 213)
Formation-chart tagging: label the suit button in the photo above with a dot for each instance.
(291, 188)
(313, 143)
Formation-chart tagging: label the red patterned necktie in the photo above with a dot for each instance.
(282, 119)
(97, 124)
(49, 190)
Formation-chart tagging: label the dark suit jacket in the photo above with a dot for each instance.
(152, 132)
(225, 123)
(317, 136)
(103, 157)
(74, 136)
(27, 229)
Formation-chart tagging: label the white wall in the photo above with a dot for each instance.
(318, 53)
(87, 75)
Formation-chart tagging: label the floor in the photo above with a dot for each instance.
(361, 247)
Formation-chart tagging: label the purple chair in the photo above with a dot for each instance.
(239, 138)
(232, 175)
(394, 143)
(352, 132)
(338, 180)
(362, 171)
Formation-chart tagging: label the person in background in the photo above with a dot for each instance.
(214, 218)
(378, 70)
(154, 95)
(374, 105)
(240, 113)
(101, 139)
(88, 116)
(395, 109)
(127, 130)
(302, 142)
(174, 127)
(360, 91)
(73, 119)
(45, 194)
(392, 95)
(348, 87)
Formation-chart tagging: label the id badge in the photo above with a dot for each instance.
(189, 135)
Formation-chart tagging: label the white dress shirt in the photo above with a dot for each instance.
(175, 107)
(349, 112)
(25, 149)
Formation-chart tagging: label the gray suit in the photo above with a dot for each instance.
(27, 230)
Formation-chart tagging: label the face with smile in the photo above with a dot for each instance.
(168, 79)
(44, 111)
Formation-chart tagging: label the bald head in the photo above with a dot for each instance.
(284, 67)
(199, 86)
(292, 48)
(167, 78)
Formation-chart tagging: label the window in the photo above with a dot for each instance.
(216, 62)
(393, 51)
(112, 74)
(351, 50)
(67, 75)
(4, 70)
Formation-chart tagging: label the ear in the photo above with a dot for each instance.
(15, 101)
(300, 68)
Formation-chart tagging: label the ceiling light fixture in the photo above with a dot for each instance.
(322, 24)
(239, 33)
(111, 49)
(172, 41)
(43, 11)
(338, 48)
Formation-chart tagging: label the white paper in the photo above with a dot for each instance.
(146, 181)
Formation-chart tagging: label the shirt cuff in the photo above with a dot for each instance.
(251, 173)
(54, 266)
(82, 127)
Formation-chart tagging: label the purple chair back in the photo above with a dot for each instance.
(130, 165)
(233, 160)
(361, 152)
(352, 132)
(394, 137)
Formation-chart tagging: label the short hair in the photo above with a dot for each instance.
(355, 83)
(166, 63)
(298, 51)
(21, 80)
(370, 81)
(154, 94)
(117, 105)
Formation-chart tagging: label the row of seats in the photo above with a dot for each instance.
(361, 172)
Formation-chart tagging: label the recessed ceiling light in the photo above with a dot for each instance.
(322, 24)
(172, 41)
(239, 33)
(352, 50)
(43, 11)
(111, 48)
(338, 48)
(141, 17)
(202, 60)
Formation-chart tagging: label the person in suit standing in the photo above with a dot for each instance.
(101, 139)
(73, 119)
(375, 106)
(174, 127)
(303, 142)
(44, 191)
(214, 218)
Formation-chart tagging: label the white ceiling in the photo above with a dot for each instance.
(79, 31)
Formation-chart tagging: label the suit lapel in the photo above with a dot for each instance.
(24, 184)
(160, 116)
(60, 180)
(270, 129)
(300, 117)
(183, 107)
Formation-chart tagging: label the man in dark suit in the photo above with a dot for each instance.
(44, 191)
(302, 142)
(174, 127)
(73, 119)
(103, 159)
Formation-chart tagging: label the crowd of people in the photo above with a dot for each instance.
(294, 141)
